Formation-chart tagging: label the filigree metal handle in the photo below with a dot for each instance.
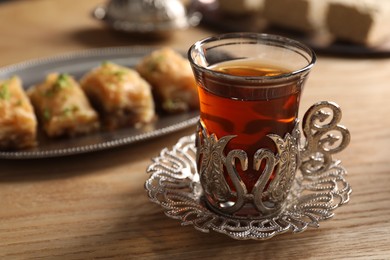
(324, 137)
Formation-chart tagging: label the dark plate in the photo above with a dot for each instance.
(77, 64)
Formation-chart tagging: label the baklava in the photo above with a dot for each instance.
(18, 123)
(172, 80)
(120, 95)
(62, 107)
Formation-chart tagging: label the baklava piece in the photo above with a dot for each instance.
(62, 107)
(172, 80)
(120, 95)
(18, 124)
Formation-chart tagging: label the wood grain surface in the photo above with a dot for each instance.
(95, 206)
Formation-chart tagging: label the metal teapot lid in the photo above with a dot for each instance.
(147, 16)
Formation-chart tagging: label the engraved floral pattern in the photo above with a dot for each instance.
(211, 166)
(213, 161)
(287, 166)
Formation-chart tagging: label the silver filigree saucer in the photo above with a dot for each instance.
(174, 184)
(318, 189)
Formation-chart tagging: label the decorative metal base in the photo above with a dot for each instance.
(174, 184)
(305, 193)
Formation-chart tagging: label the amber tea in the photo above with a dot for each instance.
(249, 112)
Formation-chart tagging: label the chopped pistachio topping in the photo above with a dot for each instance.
(105, 63)
(153, 64)
(169, 105)
(5, 94)
(120, 74)
(68, 111)
(61, 82)
(46, 114)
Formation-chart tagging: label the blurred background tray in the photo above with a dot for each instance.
(321, 42)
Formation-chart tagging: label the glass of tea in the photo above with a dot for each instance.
(249, 87)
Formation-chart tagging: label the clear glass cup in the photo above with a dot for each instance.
(249, 87)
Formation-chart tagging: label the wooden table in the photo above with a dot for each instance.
(95, 206)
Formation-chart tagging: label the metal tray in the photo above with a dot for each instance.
(76, 64)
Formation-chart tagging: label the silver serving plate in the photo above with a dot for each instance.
(77, 64)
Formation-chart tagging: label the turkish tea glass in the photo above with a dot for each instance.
(249, 87)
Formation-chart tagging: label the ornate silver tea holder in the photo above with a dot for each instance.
(308, 186)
